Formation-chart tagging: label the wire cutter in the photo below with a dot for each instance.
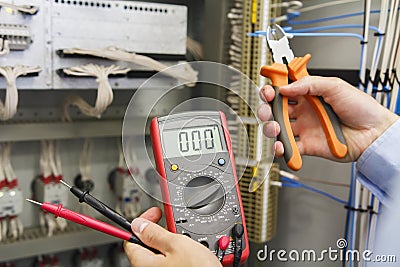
(285, 66)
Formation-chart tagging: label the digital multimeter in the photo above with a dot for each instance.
(194, 158)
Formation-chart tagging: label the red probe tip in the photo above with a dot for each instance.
(34, 202)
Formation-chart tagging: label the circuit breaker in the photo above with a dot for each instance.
(50, 192)
(11, 201)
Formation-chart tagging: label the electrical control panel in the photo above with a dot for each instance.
(154, 30)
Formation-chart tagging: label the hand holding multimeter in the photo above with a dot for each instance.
(194, 157)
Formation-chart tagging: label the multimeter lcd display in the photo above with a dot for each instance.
(191, 141)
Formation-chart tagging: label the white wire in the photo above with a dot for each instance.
(44, 160)
(50, 223)
(378, 46)
(12, 229)
(331, 3)
(20, 226)
(291, 5)
(58, 158)
(394, 64)
(373, 224)
(9, 108)
(2, 171)
(121, 161)
(9, 171)
(85, 160)
(396, 21)
(22, 8)
(363, 67)
(52, 161)
(4, 228)
(395, 89)
(4, 47)
(104, 90)
(195, 48)
(364, 220)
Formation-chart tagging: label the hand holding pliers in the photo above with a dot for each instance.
(285, 66)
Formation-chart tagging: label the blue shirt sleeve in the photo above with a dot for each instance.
(378, 168)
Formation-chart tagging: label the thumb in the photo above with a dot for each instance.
(152, 234)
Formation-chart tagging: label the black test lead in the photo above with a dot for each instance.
(84, 196)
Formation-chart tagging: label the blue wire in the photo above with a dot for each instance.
(397, 109)
(295, 184)
(331, 34)
(312, 21)
(352, 203)
(341, 26)
(311, 34)
(371, 204)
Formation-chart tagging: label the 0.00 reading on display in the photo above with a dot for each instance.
(192, 141)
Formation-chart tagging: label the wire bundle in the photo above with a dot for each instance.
(10, 224)
(104, 90)
(381, 80)
(186, 74)
(51, 175)
(9, 107)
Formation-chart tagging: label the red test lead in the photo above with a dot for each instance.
(87, 221)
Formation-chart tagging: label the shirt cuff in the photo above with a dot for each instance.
(378, 167)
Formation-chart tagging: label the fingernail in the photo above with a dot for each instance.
(139, 224)
(262, 92)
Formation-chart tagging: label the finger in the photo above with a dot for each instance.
(153, 214)
(267, 93)
(139, 256)
(271, 129)
(314, 85)
(279, 150)
(153, 235)
(264, 112)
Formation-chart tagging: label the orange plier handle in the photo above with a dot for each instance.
(297, 69)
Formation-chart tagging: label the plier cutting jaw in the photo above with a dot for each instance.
(285, 66)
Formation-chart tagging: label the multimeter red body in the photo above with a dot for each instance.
(194, 158)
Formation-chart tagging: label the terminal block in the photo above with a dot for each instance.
(18, 36)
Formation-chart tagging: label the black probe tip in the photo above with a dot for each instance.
(64, 183)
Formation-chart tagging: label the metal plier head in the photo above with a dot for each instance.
(279, 44)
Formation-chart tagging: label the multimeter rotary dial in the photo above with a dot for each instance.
(204, 195)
